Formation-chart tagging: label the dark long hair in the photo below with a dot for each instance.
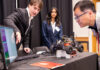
(57, 18)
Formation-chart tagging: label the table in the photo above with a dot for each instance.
(83, 61)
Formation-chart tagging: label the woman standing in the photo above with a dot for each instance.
(51, 28)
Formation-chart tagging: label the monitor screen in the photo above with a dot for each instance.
(8, 44)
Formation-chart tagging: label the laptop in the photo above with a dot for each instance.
(8, 47)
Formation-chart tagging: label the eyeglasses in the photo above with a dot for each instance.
(77, 17)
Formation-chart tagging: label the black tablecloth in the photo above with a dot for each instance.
(82, 61)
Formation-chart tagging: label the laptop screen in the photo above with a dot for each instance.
(7, 41)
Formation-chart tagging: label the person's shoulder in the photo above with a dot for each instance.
(44, 22)
(20, 9)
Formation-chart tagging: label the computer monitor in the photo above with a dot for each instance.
(8, 45)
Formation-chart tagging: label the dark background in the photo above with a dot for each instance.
(64, 7)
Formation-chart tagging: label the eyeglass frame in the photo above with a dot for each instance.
(77, 17)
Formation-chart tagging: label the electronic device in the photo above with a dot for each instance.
(8, 47)
(67, 44)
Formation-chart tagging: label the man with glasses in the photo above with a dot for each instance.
(86, 15)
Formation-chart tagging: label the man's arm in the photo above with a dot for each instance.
(26, 43)
(10, 22)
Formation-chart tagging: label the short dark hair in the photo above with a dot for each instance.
(40, 2)
(83, 5)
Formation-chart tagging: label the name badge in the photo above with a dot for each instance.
(57, 28)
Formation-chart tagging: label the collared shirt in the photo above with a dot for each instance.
(53, 26)
(30, 18)
(94, 27)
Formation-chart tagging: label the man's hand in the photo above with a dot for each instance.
(27, 50)
(18, 37)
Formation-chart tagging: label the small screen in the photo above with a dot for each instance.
(8, 44)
